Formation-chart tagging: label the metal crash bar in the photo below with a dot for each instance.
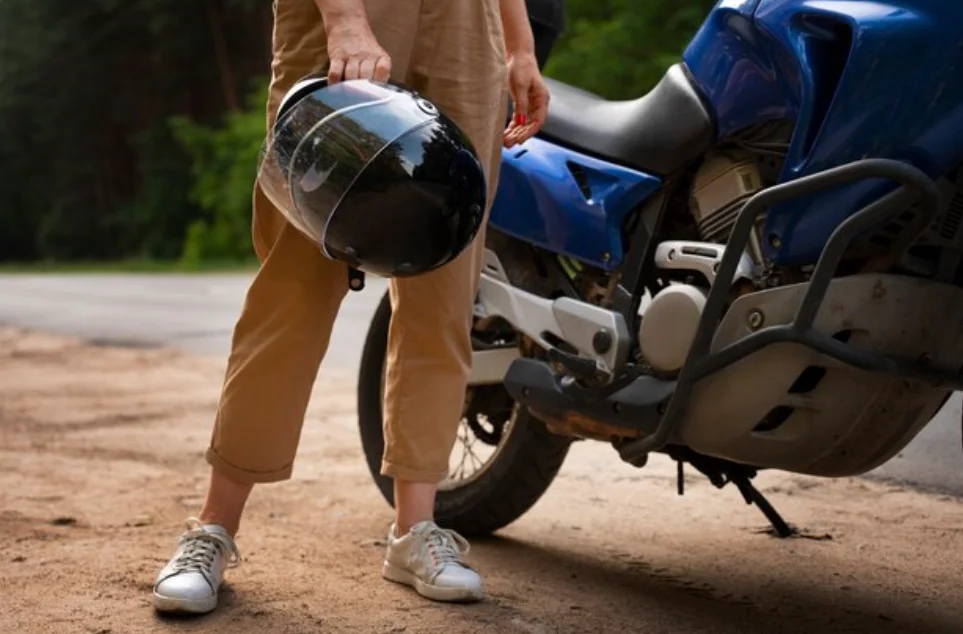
(700, 362)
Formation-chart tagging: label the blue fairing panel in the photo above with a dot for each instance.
(857, 78)
(730, 63)
(566, 202)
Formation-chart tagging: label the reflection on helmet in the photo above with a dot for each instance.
(375, 175)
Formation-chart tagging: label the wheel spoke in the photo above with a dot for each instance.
(487, 415)
(470, 452)
(463, 438)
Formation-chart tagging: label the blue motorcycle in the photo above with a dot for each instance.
(755, 266)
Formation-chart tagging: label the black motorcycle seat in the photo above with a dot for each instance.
(659, 133)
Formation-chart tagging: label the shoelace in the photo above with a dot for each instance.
(201, 548)
(445, 546)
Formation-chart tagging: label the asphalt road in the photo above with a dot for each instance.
(197, 313)
(191, 312)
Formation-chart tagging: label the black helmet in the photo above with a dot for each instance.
(374, 174)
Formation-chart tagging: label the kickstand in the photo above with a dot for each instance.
(720, 473)
(752, 495)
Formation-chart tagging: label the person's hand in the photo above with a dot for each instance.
(530, 97)
(354, 53)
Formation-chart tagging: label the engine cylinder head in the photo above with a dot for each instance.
(720, 189)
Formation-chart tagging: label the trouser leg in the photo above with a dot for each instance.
(279, 341)
(459, 64)
(286, 321)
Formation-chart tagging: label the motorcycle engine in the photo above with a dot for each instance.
(719, 190)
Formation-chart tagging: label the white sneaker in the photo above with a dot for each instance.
(191, 579)
(429, 559)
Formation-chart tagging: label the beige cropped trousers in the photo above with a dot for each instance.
(452, 52)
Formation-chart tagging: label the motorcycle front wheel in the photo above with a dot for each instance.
(520, 457)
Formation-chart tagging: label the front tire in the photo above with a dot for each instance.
(524, 464)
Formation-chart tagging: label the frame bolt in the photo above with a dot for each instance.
(756, 319)
(602, 341)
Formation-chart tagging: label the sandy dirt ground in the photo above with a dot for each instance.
(101, 461)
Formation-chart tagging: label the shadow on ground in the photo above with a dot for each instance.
(570, 592)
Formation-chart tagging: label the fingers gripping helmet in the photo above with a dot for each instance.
(374, 174)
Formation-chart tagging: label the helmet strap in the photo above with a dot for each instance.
(355, 279)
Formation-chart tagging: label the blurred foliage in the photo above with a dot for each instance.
(130, 130)
(223, 165)
(91, 169)
(620, 48)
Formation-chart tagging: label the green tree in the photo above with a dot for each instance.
(224, 166)
(620, 48)
(90, 170)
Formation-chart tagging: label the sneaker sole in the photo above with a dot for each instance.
(184, 606)
(429, 591)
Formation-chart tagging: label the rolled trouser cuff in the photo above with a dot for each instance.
(245, 476)
(407, 474)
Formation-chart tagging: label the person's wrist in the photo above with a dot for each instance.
(522, 57)
(517, 45)
(341, 21)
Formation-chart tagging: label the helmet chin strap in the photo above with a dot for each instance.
(355, 275)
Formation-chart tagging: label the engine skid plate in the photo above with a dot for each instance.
(791, 407)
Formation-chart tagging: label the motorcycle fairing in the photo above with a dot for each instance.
(857, 79)
(567, 202)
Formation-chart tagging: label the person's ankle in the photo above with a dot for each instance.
(212, 517)
(414, 503)
(404, 526)
(225, 501)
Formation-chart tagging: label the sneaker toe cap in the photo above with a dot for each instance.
(459, 577)
(187, 586)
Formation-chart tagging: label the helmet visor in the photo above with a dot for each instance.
(317, 149)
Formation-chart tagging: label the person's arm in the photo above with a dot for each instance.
(353, 51)
(529, 95)
(519, 40)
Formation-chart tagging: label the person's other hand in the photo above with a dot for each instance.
(354, 53)
(530, 97)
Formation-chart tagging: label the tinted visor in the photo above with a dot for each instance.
(319, 147)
